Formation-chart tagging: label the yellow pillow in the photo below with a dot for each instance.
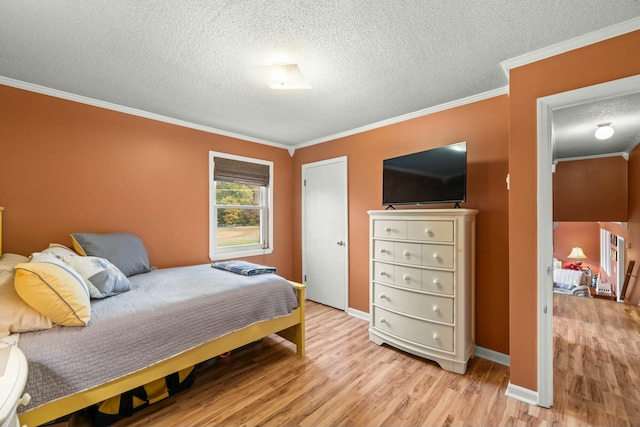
(54, 289)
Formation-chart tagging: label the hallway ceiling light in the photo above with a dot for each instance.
(284, 76)
(604, 131)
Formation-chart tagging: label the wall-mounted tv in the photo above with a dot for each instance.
(438, 175)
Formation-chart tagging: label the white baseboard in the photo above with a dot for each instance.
(522, 394)
(493, 356)
(359, 314)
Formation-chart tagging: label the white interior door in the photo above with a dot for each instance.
(324, 231)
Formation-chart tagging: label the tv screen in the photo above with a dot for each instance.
(438, 175)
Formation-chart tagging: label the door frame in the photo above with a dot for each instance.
(305, 166)
(621, 268)
(545, 107)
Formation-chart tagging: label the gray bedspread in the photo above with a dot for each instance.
(166, 312)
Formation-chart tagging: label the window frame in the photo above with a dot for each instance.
(266, 218)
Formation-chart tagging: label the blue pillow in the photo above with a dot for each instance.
(125, 250)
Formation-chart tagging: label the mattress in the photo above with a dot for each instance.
(166, 312)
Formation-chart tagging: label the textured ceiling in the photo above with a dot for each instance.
(574, 127)
(366, 61)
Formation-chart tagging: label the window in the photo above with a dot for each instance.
(240, 195)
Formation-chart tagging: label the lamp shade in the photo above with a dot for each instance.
(577, 253)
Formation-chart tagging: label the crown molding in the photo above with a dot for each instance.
(623, 154)
(291, 149)
(132, 111)
(431, 110)
(571, 44)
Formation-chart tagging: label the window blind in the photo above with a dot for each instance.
(230, 170)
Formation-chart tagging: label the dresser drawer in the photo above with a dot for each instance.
(390, 229)
(437, 256)
(383, 250)
(419, 331)
(437, 281)
(408, 253)
(408, 277)
(383, 272)
(432, 231)
(415, 304)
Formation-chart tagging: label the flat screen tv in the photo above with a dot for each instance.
(438, 175)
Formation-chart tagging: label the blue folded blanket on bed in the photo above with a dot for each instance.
(243, 267)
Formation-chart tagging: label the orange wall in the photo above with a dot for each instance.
(591, 190)
(608, 60)
(586, 235)
(68, 167)
(484, 125)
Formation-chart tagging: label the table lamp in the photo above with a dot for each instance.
(577, 254)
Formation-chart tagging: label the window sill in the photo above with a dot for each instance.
(240, 254)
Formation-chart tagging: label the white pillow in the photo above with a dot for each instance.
(15, 314)
(59, 250)
(8, 261)
(101, 277)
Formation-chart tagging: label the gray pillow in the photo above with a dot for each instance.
(125, 250)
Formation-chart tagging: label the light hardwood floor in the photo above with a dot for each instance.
(345, 380)
(596, 360)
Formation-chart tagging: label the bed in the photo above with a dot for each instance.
(169, 320)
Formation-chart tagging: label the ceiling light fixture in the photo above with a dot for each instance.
(284, 76)
(604, 131)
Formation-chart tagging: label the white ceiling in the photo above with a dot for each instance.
(574, 127)
(366, 61)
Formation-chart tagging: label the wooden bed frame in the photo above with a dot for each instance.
(290, 327)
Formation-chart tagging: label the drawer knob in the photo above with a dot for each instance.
(436, 309)
(383, 320)
(383, 296)
(406, 277)
(436, 256)
(429, 232)
(382, 250)
(437, 283)
(382, 273)
(406, 253)
(387, 229)
(436, 336)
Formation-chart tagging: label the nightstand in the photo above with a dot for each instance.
(13, 377)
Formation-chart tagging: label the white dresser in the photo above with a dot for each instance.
(422, 289)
